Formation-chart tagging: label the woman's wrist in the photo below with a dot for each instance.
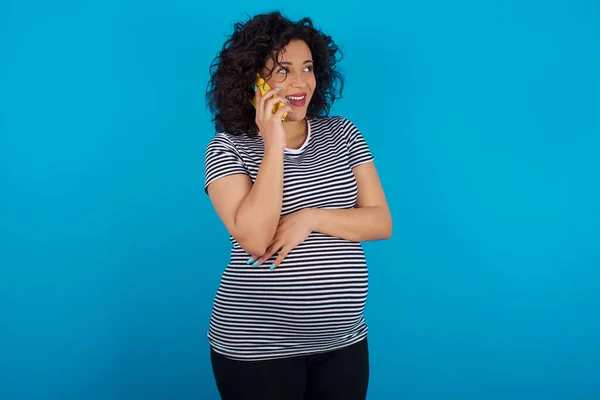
(312, 216)
(274, 148)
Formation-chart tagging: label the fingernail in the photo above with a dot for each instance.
(255, 263)
(249, 261)
(255, 88)
(272, 267)
(287, 101)
(277, 88)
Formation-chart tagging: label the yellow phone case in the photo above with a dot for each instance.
(264, 87)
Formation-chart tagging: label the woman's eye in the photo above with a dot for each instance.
(286, 71)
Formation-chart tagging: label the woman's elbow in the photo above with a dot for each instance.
(255, 246)
(387, 233)
(386, 227)
(254, 241)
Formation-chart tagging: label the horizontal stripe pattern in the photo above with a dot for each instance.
(314, 301)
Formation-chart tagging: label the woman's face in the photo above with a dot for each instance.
(295, 76)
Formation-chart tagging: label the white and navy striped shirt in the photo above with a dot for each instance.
(314, 301)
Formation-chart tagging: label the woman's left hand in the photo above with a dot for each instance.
(292, 230)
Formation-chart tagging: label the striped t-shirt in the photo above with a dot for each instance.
(314, 301)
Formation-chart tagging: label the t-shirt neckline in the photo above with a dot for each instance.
(303, 146)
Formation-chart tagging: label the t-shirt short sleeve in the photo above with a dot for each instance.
(358, 149)
(221, 159)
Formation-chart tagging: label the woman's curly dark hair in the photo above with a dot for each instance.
(233, 71)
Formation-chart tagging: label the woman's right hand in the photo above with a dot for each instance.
(269, 124)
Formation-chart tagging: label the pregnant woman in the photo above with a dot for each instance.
(298, 195)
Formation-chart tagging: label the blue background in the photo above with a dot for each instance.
(484, 117)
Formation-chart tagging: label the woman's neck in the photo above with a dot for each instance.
(295, 133)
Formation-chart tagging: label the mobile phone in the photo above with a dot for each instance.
(264, 87)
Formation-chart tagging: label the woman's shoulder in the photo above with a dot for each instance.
(325, 126)
(333, 126)
(330, 121)
(230, 141)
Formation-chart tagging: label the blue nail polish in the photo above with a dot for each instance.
(272, 267)
(255, 263)
(277, 88)
(249, 261)
(255, 88)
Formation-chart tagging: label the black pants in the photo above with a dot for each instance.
(341, 374)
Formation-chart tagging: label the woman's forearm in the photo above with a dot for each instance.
(357, 224)
(258, 216)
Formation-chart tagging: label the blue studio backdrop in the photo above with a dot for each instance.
(484, 118)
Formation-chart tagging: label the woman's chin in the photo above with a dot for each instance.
(297, 115)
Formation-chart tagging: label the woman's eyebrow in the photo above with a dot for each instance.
(290, 63)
